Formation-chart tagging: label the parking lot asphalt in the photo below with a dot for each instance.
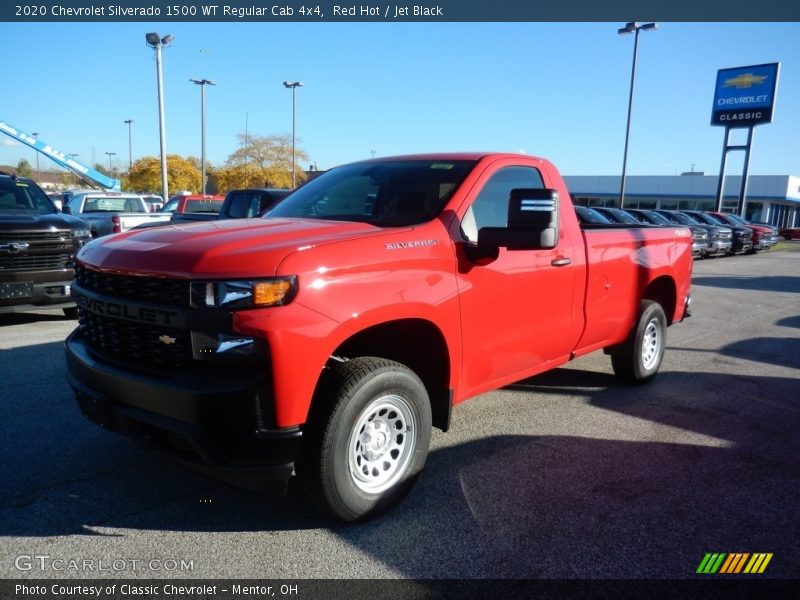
(570, 474)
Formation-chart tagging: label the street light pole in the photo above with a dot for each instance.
(35, 135)
(293, 85)
(130, 145)
(74, 177)
(634, 28)
(203, 83)
(155, 41)
(110, 168)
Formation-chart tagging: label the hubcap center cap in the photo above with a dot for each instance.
(375, 441)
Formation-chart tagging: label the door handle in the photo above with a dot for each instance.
(561, 262)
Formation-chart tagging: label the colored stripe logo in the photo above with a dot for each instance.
(737, 562)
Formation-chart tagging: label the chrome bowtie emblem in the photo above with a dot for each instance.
(15, 247)
(165, 339)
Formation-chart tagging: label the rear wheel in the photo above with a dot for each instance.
(639, 358)
(367, 439)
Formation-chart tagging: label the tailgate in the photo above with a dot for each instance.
(130, 220)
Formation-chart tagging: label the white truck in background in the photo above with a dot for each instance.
(109, 212)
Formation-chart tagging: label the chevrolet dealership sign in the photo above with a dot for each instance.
(745, 96)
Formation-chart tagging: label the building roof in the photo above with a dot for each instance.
(759, 187)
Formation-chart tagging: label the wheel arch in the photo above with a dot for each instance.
(415, 343)
(663, 290)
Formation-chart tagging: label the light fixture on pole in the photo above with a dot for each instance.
(634, 28)
(293, 85)
(202, 83)
(110, 168)
(130, 145)
(155, 41)
(35, 135)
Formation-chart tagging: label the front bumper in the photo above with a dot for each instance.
(719, 247)
(217, 425)
(21, 296)
(763, 244)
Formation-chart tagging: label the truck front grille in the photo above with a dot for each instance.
(173, 292)
(37, 262)
(136, 344)
(45, 250)
(52, 237)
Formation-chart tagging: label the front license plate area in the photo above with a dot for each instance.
(17, 290)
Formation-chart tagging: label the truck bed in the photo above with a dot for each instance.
(617, 255)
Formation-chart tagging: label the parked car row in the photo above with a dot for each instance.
(236, 204)
(714, 233)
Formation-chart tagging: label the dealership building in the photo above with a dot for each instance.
(773, 199)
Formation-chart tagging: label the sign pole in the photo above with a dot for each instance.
(721, 181)
(740, 207)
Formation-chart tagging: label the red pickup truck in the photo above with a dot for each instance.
(330, 336)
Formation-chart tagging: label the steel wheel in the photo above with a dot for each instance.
(382, 444)
(638, 359)
(651, 345)
(367, 438)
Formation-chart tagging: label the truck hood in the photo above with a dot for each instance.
(27, 220)
(230, 248)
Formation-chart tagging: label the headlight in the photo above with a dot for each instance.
(257, 293)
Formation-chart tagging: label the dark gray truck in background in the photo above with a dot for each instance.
(37, 249)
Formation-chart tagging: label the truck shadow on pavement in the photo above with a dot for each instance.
(33, 317)
(776, 283)
(642, 483)
(784, 352)
(789, 322)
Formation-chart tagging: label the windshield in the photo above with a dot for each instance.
(620, 216)
(588, 215)
(704, 218)
(390, 193)
(17, 195)
(655, 217)
(681, 218)
(736, 219)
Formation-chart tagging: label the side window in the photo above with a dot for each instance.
(75, 204)
(490, 208)
(238, 205)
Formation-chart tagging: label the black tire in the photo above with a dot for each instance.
(367, 438)
(71, 313)
(639, 358)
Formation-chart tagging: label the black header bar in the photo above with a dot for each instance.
(315, 11)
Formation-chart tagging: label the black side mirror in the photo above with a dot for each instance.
(532, 222)
(66, 210)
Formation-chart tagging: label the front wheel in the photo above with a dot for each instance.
(367, 438)
(639, 358)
